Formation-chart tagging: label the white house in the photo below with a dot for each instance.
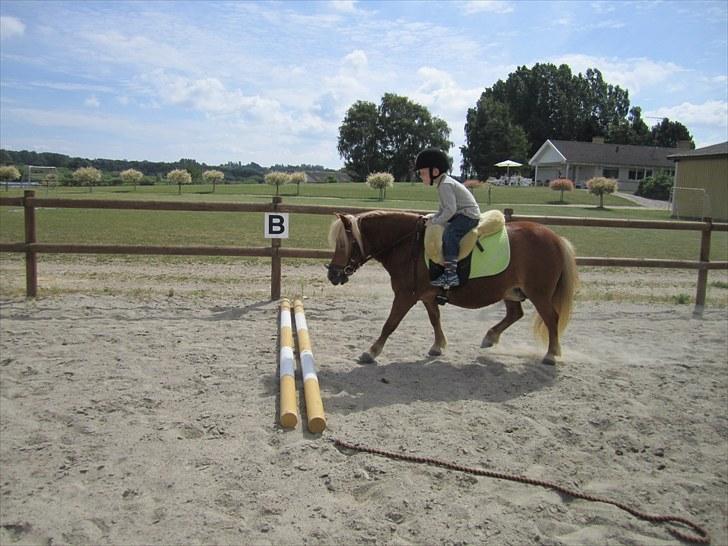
(580, 161)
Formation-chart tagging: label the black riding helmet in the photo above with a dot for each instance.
(432, 158)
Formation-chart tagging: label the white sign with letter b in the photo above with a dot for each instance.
(276, 225)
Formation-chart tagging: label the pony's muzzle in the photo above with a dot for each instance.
(337, 275)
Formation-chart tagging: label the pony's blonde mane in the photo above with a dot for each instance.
(337, 234)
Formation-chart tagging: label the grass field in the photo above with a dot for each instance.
(310, 231)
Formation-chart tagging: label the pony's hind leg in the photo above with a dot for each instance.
(551, 320)
(400, 306)
(514, 311)
(433, 311)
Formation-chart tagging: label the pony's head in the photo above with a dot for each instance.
(345, 238)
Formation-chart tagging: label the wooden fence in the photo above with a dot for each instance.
(31, 247)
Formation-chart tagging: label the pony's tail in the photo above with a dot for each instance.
(563, 298)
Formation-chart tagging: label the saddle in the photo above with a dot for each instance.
(484, 250)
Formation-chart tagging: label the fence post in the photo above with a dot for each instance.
(275, 260)
(31, 262)
(703, 271)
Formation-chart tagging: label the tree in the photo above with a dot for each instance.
(131, 176)
(561, 184)
(192, 167)
(380, 181)
(632, 130)
(179, 177)
(599, 186)
(213, 177)
(358, 142)
(406, 129)
(87, 176)
(491, 136)
(668, 133)
(298, 178)
(8, 173)
(550, 102)
(277, 179)
(389, 137)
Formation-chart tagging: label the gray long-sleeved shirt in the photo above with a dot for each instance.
(454, 199)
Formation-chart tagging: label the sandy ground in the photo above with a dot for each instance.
(138, 405)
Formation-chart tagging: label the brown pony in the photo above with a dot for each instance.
(542, 269)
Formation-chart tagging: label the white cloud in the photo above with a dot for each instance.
(210, 96)
(346, 6)
(92, 102)
(490, 6)
(115, 47)
(357, 60)
(634, 74)
(75, 120)
(440, 93)
(350, 82)
(714, 113)
(11, 27)
(67, 86)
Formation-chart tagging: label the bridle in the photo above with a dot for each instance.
(357, 258)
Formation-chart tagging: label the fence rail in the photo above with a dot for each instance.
(31, 247)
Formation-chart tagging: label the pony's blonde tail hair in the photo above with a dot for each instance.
(563, 298)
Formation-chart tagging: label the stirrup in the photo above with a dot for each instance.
(452, 280)
(441, 281)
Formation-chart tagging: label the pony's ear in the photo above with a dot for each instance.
(344, 220)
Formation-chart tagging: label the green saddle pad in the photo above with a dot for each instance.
(495, 256)
(493, 259)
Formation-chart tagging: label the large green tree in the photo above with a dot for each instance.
(668, 133)
(491, 126)
(550, 102)
(359, 139)
(632, 130)
(388, 137)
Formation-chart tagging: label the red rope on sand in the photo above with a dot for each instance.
(701, 537)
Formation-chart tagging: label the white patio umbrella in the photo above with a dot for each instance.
(508, 163)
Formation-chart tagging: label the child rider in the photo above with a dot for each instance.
(458, 212)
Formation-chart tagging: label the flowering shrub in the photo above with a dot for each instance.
(213, 177)
(87, 176)
(600, 185)
(380, 181)
(179, 177)
(562, 184)
(131, 176)
(298, 178)
(277, 179)
(9, 172)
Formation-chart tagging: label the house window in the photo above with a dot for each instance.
(610, 172)
(637, 174)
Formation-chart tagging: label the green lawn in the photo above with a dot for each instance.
(310, 231)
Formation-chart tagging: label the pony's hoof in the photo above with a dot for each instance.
(366, 358)
(434, 351)
(548, 361)
(486, 343)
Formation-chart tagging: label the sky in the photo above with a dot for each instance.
(270, 82)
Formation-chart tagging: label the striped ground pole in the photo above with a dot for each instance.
(314, 406)
(288, 413)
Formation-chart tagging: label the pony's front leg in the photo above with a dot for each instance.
(433, 311)
(400, 306)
